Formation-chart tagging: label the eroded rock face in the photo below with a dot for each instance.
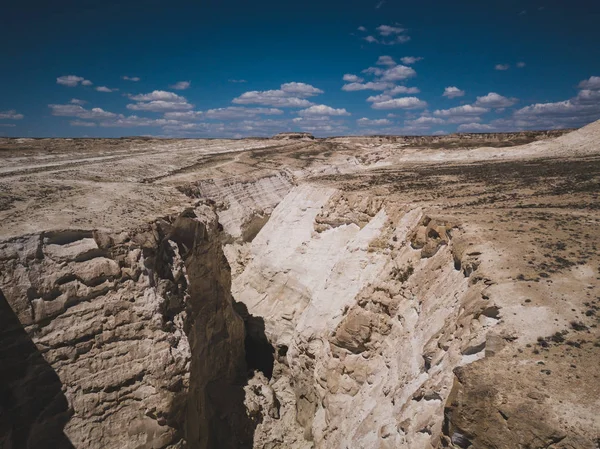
(367, 339)
(347, 292)
(139, 330)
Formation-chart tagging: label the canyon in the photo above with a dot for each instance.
(297, 292)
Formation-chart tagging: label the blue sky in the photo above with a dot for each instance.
(331, 67)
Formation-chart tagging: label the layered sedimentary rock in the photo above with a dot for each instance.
(118, 317)
(348, 292)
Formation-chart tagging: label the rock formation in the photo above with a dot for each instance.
(347, 292)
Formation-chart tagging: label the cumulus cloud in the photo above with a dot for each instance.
(288, 95)
(400, 103)
(502, 67)
(475, 127)
(379, 98)
(158, 95)
(521, 64)
(77, 101)
(74, 110)
(592, 83)
(386, 30)
(373, 71)
(181, 85)
(408, 60)
(365, 86)
(159, 106)
(398, 73)
(466, 109)
(361, 28)
(237, 81)
(104, 89)
(348, 77)
(386, 60)
(300, 89)
(371, 39)
(10, 115)
(237, 112)
(321, 109)
(462, 114)
(577, 111)
(369, 122)
(425, 121)
(453, 92)
(72, 81)
(403, 90)
(159, 101)
(131, 78)
(494, 100)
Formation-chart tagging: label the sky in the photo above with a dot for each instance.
(232, 68)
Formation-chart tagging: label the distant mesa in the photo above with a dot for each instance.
(294, 136)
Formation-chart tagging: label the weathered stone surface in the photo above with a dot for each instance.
(346, 292)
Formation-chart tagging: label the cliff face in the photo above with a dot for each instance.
(138, 326)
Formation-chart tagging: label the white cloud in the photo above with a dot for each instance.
(73, 110)
(181, 85)
(159, 106)
(521, 64)
(365, 86)
(361, 28)
(368, 122)
(159, 101)
(386, 30)
(237, 81)
(439, 133)
(494, 100)
(10, 115)
(425, 121)
(72, 81)
(466, 110)
(403, 90)
(386, 60)
(104, 89)
(288, 95)
(269, 99)
(159, 95)
(7, 125)
(371, 40)
(408, 60)
(398, 73)
(400, 103)
(352, 78)
(131, 78)
(453, 92)
(373, 71)
(475, 127)
(237, 112)
(321, 109)
(398, 40)
(77, 101)
(502, 67)
(379, 98)
(300, 89)
(592, 83)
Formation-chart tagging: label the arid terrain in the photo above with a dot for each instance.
(347, 292)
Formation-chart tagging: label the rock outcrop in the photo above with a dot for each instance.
(140, 329)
